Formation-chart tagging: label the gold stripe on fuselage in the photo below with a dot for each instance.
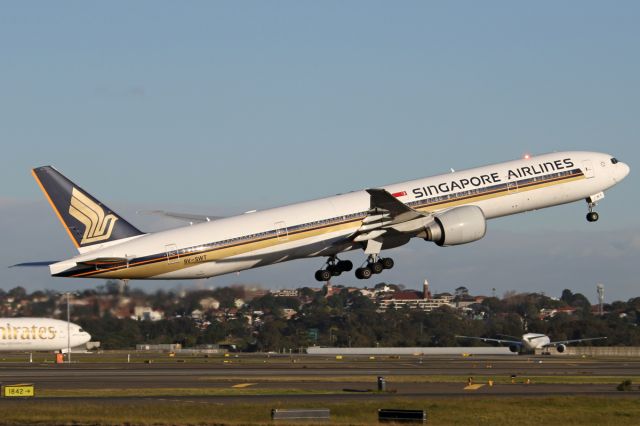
(152, 267)
(160, 265)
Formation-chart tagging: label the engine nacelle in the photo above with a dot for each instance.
(561, 348)
(459, 225)
(514, 348)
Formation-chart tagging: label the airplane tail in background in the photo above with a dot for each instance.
(88, 222)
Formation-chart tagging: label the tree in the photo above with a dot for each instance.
(567, 296)
(461, 292)
(18, 292)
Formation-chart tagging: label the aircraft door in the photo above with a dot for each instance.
(172, 254)
(281, 231)
(587, 168)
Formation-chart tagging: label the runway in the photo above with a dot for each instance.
(247, 378)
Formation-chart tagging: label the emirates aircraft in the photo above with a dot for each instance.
(448, 210)
(532, 341)
(40, 334)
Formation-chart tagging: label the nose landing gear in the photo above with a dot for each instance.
(591, 202)
(592, 216)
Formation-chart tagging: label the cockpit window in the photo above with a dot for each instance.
(80, 330)
(614, 160)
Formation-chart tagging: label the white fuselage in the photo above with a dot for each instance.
(322, 227)
(40, 334)
(533, 341)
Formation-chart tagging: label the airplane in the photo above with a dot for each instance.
(40, 334)
(448, 209)
(532, 341)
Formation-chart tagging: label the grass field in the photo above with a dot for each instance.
(455, 411)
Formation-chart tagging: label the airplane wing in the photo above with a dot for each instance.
(388, 215)
(566, 342)
(509, 336)
(188, 217)
(383, 202)
(486, 339)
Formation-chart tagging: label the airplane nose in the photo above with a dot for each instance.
(624, 170)
(620, 171)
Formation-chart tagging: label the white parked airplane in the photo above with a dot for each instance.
(532, 341)
(447, 209)
(40, 334)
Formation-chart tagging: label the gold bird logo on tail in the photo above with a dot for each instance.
(97, 226)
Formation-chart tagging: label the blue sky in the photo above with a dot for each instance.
(222, 107)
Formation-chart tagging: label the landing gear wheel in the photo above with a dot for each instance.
(345, 265)
(592, 216)
(334, 270)
(387, 263)
(323, 275)
(376, 267)
(363, 273)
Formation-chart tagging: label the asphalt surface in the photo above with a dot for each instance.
(347, 379)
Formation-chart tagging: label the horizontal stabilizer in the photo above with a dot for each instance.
(34, 264)
(102, 261)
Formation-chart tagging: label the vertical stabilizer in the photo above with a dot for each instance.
(87, 221)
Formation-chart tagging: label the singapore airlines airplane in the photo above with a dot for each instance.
(40, 334)
(532, 341)
(449, 209)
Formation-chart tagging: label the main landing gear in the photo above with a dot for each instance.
(334, 268)
(374, 265)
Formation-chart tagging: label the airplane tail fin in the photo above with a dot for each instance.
(88, 222)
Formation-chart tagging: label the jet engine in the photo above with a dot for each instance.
(560, 348)
(460, 225)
